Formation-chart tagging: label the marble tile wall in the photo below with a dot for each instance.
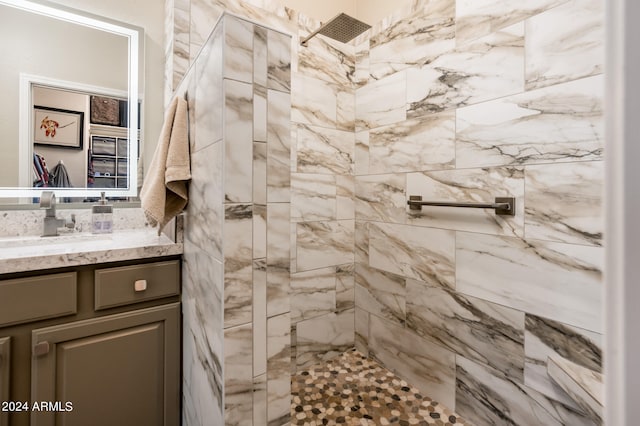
(449, 99)
(467, 100)
(301, 255)
(237, 320)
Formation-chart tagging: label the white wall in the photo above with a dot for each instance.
(75, 161)
(373, 11)
(369, 11)
(322, 10)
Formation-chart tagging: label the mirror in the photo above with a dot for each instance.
(71, 99)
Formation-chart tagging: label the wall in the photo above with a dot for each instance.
(50, 58)
(446, 113)
(322, 11)
(149, 15)
(236, 308)
(75, 161)
(321, 164)
(467, 101)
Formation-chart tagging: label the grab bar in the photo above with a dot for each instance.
(503, 206)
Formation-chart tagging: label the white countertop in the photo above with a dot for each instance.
(29, 253)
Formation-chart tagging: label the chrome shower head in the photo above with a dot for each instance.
(342, 28)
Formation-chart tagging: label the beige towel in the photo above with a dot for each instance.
(164, 193)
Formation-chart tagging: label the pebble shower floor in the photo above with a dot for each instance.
(355, 390)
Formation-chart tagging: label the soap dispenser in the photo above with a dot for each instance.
(102, 217)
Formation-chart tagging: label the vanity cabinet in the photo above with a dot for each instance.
(92, 345)
(5, 363)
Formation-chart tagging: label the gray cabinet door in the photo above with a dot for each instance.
(116, 370)
(5, 364)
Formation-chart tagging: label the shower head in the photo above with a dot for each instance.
(342, 28)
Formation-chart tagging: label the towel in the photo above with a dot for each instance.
(60, 176)
(164, 193)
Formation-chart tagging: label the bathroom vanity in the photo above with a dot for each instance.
(90, 336)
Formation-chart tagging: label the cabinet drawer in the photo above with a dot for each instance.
(116, 286)
(36, 298)
(103, 145)
(123, 147)
(104, 166)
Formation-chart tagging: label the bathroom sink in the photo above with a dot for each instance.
(47, 241)
(82, 248)
(36, 246)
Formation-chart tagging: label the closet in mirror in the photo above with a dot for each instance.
(80, 139)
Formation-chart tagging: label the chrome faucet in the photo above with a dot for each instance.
(51, 222)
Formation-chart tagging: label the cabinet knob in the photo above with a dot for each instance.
(41, 348)
(140, 285)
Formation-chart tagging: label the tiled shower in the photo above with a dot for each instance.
(299, 244)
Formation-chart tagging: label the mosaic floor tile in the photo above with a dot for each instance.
(355, 390)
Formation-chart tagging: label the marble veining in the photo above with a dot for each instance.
(418, 361)
(564, 202)
(469, 185)
(259, 231)
(238, 60)
(490, 399)
(585, 386)
(206, 114)
(382, 102)
(381, 293)
(562, 282)
(260, 172)
(327, 60)
(313, 101)
(238, 269)
(278, 369)
(313, 197)
(260, 400)
(545, 338)
(413, 40)
(345, 194)
(238, 141)
(205, 214)
(86, 249)
(238, 381)
(279, 61)
(362, 330)
(560, 123)
(346, 109)
(260, 63)
(381, 198)
(575, 47)
(425, 143)
(324, 150)
(313, 293)
(477, 18)
(345, 287)
(259, 317)
(361, 242)
(202, 337)
(482, 331)
(322, 338)
(278, 258)
(325, 243)
(278, 146)
(361, 156)
(488, 68)
(401, 250)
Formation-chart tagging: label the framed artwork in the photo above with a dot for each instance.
(57, 127)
